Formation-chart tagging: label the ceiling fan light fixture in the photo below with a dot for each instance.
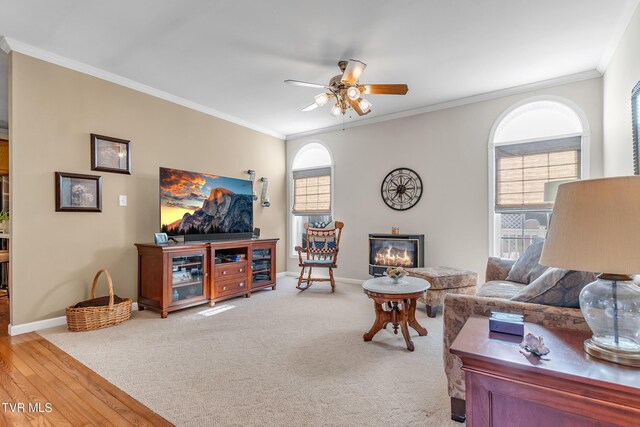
(321, 99)
(353, 93)
(345, 91)
(364, 105)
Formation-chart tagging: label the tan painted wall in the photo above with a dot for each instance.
(622, 74)
(449, 149)
(55, 255)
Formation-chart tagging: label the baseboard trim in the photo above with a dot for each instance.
(338, 279)
(25, 328)
(349, 281)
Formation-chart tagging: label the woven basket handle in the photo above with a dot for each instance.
(95, 283)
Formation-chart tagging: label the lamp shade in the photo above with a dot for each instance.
(595, 226)
(551, 189)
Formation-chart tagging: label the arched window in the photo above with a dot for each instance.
(312, 189)
(311, 155)
(535, 146)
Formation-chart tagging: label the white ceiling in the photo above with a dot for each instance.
(232, 56)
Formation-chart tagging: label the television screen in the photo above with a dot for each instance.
(194, 203)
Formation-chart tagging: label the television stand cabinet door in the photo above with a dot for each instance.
(263, 264)
(172, 277)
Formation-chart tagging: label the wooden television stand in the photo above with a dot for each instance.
(173, 277)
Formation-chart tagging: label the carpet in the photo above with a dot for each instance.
(279, 358)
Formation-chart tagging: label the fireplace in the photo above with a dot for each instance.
(395, 250)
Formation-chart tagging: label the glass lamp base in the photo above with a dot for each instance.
(611, 308)
(621, 358)
(622, 345)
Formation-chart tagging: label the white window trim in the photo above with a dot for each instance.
(585, 154)
(290, 246)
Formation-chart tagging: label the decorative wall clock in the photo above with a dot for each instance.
(401, 189)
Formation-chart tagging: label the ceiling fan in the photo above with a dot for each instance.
(347, 91)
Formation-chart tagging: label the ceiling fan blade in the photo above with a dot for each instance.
(306, 84)
(386, 89)
(357, 109)
(353, 71)
(310, 107)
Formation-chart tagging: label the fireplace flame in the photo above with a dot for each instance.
(385, 257)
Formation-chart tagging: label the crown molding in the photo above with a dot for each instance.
(4, 45)
(9, 45)
(618, 32)
(516, 90)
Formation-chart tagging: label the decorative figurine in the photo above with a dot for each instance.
(533, 345)
(396, 273)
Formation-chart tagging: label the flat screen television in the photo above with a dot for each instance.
(201, 206)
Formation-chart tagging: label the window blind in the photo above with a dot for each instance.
(312, 191)
(523, 169)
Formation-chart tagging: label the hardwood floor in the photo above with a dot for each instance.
(60, 390)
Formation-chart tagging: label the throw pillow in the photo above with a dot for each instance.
(557, 287)
(526, 269)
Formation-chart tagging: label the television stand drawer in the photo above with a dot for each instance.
(232, 286)
(231, 269)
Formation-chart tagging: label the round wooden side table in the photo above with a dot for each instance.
(400, 302)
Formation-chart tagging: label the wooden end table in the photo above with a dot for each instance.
(400, 301)
(505, 388)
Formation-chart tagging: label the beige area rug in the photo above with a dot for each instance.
(283, 358)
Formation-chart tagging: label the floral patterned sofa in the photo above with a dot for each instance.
(493, 296)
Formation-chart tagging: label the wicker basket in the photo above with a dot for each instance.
(90, 318)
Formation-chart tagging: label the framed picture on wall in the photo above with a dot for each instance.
(635, 119)
(110, 154)
(78, 193)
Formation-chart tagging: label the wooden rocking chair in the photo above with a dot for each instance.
(322, 247)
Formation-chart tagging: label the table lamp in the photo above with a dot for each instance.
(595, 226)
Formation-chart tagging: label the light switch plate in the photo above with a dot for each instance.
(122, 200)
